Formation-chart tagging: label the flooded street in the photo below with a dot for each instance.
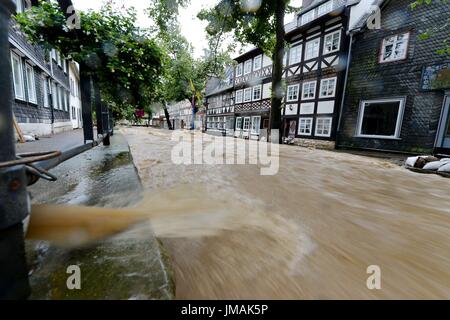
(309, 232)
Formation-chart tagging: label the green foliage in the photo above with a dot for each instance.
(445, 50)
(125, 60)
(181, 68)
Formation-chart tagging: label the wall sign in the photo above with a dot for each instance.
(436, 77)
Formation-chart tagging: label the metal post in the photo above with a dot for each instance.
(85, 86)
(14, 200)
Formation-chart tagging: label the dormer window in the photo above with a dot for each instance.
(325, 8)
(307, 17)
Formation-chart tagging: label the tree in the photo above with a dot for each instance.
(124, 60)
(184, 76)
(260, 23)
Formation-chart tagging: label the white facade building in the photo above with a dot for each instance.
(75, 96)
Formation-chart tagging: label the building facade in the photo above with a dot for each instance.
(75, 95)
(40, 85)
(220, 118)
(252, 93)
(398, 92)
(315, 73)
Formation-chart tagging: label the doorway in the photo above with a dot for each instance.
(290, 129)
(444, 128)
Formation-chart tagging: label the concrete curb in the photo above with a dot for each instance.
(68, 154)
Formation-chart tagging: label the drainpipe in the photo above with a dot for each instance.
(347, 69)
(14, 200)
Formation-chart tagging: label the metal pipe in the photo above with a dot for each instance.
(14, 199)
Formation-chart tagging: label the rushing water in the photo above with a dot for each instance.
(309, 232)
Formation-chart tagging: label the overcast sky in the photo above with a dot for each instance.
(192, 27)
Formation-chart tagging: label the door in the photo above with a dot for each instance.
(444, 131)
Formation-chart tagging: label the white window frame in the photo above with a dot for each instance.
(311, 120)
(255, 66)
(239, 96)
(308, 17)
(298, 50)
(325, 45)
(250, 95)
(258, 129)
(31, 84)
(398, 128)
(260, 93)
(288, 96)
(383, 48)
(239, 70)
(325, 8)
(54, 95)
(327, 80)
(315, 53)
(239, 123)
(305, 91)
(17, 94)
(45, 91)
(317, 134)
(247, 121)
(246, 64)
(19, 6)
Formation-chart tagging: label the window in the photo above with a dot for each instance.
(19, 6)
(295, 55)
(17, 70)
(394, 48)
(239, 123)
(239, 96)
(31, 84)
(381, 118)
(325, 8)
(328, 88)
(61, 98)
(323, 127)
(248, 95)
(307, 17)
(305, 126)
(257, 93)
(45, 92)
(292, 93)
(257, 63)
(239, 70)
(332, 42)
(247, 124)
(64, 63)
(256, 125)
(312, 49)
(309, 90)
(54, 96)
(248, 67)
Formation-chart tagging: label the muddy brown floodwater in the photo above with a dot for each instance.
(309, 232)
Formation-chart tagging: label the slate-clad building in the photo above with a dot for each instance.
(398, 92)
(41, 87)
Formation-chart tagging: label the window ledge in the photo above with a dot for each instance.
(377, 137)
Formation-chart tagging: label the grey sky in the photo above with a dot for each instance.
(192, 27)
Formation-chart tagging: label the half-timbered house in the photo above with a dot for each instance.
(315, 64)
(220, 104)
(252, 92)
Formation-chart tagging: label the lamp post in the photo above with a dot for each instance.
(14, 199)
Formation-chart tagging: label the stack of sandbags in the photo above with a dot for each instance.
(429, 164)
